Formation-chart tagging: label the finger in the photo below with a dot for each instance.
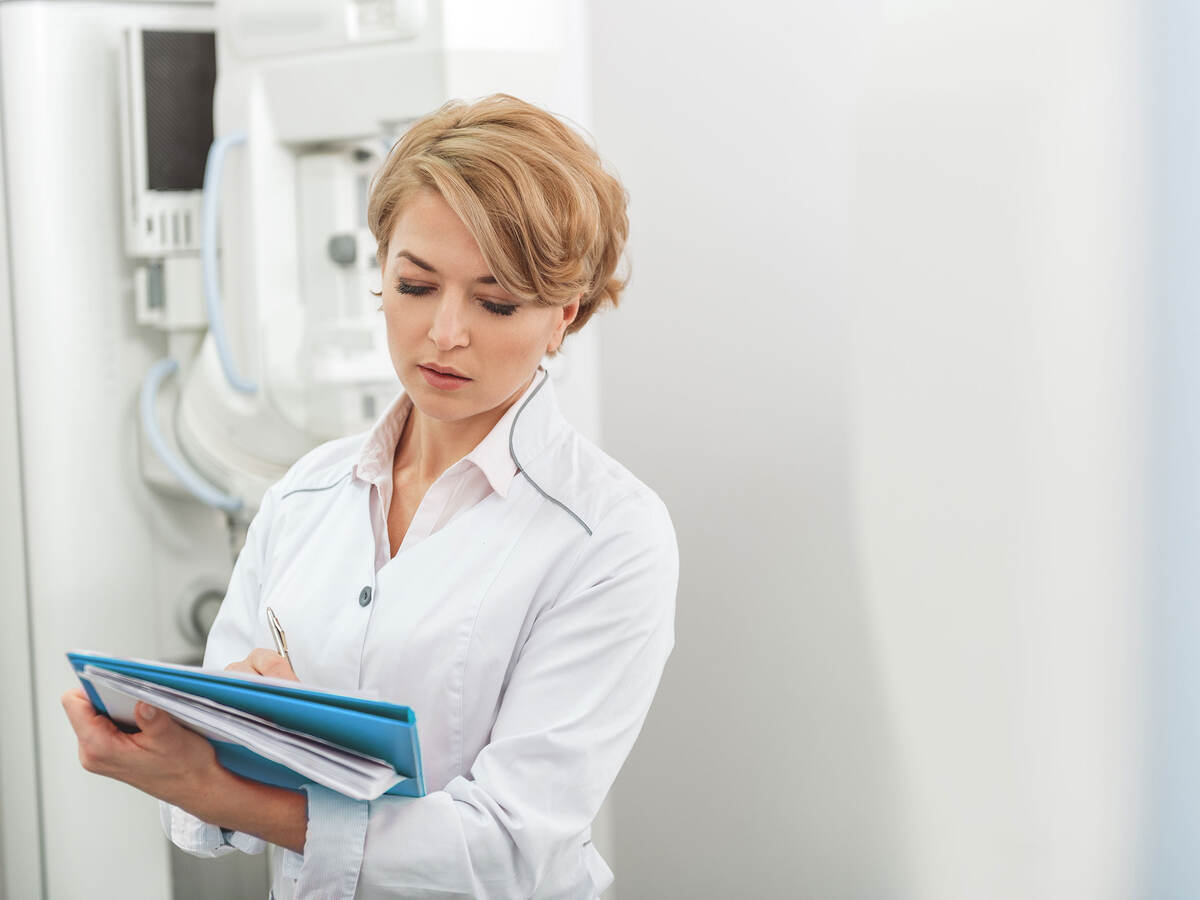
(262, 660)
(97, 735)
(84, 718)
(279, 668)
(268, 662)
(75, 699)
(158, 730)
(240, 666)
(151, 720)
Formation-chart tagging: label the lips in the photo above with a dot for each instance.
(443, 380)
(444, 370)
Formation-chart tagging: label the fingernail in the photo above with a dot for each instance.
(148, 712)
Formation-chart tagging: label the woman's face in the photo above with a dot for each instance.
(444, 311)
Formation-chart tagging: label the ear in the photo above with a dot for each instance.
(569, 312)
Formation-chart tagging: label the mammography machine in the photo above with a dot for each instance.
(184, 311)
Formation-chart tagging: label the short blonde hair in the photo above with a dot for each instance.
(549, 219)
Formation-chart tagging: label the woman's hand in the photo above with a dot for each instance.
(177, 765)
(264, 662)
(165, 759)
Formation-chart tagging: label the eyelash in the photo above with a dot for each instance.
(417, 290)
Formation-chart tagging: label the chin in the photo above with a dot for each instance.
(435, 404)
(442, 412)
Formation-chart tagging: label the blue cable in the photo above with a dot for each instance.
(208, 251)
(188, 477)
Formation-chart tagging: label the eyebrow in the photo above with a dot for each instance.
(483, 279)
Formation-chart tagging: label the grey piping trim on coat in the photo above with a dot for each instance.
(521, 468)
(307, 490)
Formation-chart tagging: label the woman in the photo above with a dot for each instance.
(472, 556)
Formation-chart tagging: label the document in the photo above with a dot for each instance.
(293, 755)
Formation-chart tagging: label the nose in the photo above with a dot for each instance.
(449, 326)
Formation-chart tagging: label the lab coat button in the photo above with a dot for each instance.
(364, 596)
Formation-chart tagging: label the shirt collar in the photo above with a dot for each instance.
(379, 449)
(491, 456)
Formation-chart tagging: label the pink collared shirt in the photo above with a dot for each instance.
(487, 468)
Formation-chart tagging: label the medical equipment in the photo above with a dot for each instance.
(301, 124)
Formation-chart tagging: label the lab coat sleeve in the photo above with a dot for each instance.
(575, 702)
(231, 638)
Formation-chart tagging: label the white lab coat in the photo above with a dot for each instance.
(528, 634)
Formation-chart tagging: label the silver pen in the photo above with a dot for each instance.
(278, 636)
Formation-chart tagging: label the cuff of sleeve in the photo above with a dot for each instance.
(292, 861)
(191, 834)
(247, 843)
(333, 845)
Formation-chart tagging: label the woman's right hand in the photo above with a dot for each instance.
(264, 662)
(164, 759)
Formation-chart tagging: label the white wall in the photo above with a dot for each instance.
(1000, 412)
(883, 358)
(766, 768)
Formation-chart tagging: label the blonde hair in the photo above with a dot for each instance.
(549, 219)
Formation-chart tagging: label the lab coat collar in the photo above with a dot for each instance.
(536, 424)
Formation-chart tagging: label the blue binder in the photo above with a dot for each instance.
(383, 730)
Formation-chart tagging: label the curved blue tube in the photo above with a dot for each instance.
(208, 251)
(188, 477)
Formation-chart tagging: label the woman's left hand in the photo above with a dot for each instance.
(165, 759)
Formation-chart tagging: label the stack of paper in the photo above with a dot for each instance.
(272, 752)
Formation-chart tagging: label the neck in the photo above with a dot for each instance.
(428, 447)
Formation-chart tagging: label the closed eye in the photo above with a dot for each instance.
(406, 287)
(500, 309)
(420, 290)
